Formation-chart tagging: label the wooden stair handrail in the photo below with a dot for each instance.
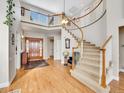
(103, 77)
(106, 41)
(80, 29)
(89, 11)
(60, 14)
(91, 22)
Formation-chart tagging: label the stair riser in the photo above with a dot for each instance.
(90, 83)
(90, 63)
(91, 59)
(91, 54)
(90, 47)
(88, 69)
(93, 68)
(93, 77)
(91, 50)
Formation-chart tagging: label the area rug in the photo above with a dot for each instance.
(15, 91)
(35, 64)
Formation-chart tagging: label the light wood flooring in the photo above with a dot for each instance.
(118, 87)
(54, 78)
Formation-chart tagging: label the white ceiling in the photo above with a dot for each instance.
(57, 6)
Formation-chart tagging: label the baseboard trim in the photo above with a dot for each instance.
(5, 84)
(116, 78)
(121, 70)
(110, 80)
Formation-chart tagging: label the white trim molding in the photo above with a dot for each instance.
(4, 84)
(121, 70)
(116, 78)
(110, 80)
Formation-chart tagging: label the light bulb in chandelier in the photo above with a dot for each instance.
(64, 21)
(22, 36)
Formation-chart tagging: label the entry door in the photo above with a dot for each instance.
(51, 48)
(121, 45)
(34, 48)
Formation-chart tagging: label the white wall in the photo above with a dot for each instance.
(73, 43)
(57, 45)
(17, 27)
(96, 33)
(49, 47)
(4, 47)
(7, 50)
(14, 59)
(115, 18)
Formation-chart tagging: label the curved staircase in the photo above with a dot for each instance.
(87, 70)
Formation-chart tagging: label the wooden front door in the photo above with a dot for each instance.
(34, 48)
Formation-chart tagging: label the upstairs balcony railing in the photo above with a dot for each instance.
(88, 16)
(39, 18)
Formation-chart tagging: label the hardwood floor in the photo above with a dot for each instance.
(54, 78)
(118, 87)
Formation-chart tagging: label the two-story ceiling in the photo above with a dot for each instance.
(58, 6)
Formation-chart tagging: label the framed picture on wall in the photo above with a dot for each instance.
(67, 43)
(13, 39)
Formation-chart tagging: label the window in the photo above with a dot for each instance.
(37, 17)
(34, 16)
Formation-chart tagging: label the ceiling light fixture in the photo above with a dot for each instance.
(64, 21)
(22, 36)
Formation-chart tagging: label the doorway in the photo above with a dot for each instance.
(34, 48)
(51, 47)
(121, 49)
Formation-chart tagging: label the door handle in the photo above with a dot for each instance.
(122, 45)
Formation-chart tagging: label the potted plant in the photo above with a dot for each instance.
(65, 54)
(10, 12)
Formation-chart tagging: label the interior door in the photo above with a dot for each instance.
(51, 48)
(34, 48)
(121, 48)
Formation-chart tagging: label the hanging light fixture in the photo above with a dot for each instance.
(64, 20)
(22, 36)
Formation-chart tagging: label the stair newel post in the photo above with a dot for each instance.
(103, 78)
